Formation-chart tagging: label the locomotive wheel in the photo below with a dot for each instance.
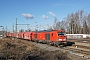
(56, 45)
(61, 45)
(64, 45)
(37, 42)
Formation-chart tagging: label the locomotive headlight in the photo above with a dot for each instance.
(64, 39)
(59, 39)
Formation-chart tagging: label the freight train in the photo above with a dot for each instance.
(52, 37)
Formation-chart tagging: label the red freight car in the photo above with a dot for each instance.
(9, 34)
(27, 35)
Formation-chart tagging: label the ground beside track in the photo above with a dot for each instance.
(24, 50)
(80, 40)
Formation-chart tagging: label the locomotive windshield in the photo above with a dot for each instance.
(61, 33)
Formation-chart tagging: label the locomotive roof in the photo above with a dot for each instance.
(45, 31)
(50, 30)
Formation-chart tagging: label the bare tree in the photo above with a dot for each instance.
(85, 28)
(49, 27)
(88, 20)
(56, 24)
(75, 22)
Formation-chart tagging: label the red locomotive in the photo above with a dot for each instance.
(53, 37)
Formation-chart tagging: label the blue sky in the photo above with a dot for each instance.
(40, 11)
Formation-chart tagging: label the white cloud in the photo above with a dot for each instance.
(28, 16)
(52, 14)
(45, 17)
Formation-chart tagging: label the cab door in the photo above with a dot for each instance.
(47, 36)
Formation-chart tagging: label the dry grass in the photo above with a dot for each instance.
(24, 50)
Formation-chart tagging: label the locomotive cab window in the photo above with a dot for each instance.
(61, 33)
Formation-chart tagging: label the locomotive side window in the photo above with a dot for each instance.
(52, 34)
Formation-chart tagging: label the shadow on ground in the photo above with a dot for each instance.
(70, 43)
(31, 58)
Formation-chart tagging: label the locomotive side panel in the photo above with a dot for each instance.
(53, 36)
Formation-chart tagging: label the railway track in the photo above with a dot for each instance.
(80, 46)
(78, 52)
(81, 42)
(70, 49)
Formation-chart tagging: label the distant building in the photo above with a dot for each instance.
(77, 36)
(2, 33)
